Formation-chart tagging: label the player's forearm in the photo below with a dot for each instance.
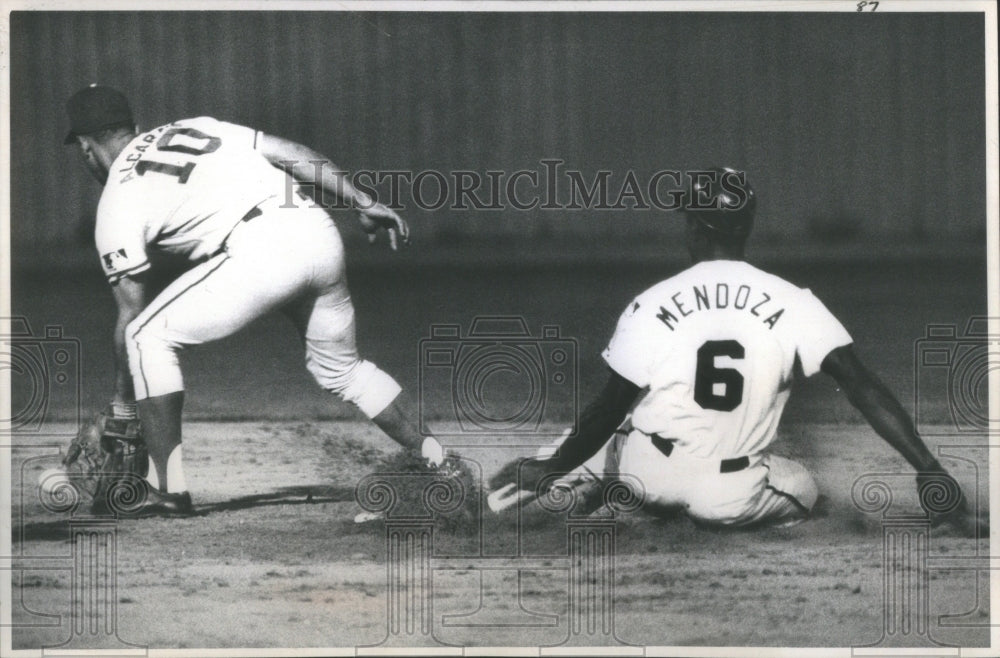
(311, 167)
(130, 297)
(596, 425)
(890, 421)
(124, 391)
(598, 421)
(879, 406)
(321, 172)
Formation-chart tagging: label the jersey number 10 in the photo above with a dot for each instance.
(165, 143)
(707, 376)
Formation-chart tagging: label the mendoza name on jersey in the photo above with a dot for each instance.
(704, 300)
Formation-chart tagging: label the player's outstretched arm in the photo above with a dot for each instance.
(312, 167)
(598, 422)
(130, 295)
(879, 407)
(888, 418)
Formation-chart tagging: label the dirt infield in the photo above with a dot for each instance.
(276, 560)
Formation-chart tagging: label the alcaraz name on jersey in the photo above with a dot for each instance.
(180, 189)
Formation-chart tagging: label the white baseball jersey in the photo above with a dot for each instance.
(717, 346)
(180, 189)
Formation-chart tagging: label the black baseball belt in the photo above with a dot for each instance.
(666, 446)
(253, 213)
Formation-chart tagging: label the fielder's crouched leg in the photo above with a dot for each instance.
(352, 379)
(158, 383)
(375, 393)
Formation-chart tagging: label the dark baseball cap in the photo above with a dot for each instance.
(95, 108)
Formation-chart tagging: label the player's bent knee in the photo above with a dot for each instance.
(153, 361)
(792, 479)
(810, 493)
(132, 333)
(143, 341)
(359, 382)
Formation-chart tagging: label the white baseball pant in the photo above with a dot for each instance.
(769, 490)
(286, 258)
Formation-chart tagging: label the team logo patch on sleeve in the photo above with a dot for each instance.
(113, 260)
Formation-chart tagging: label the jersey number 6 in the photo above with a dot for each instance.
(707, 376)
(165, 143)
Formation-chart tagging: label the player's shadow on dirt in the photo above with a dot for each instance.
(43, 531)
(283, 496)
(59, 529)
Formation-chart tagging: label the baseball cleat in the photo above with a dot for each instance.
(155, 503)
(368, 517)
(507, 496)
(168, 505)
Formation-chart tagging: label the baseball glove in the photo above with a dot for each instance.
(413, 479)
(113, 461)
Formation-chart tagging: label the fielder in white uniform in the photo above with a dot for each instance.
(711, 355)
(217, 195)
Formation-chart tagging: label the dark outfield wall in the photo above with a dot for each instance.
(851, 125)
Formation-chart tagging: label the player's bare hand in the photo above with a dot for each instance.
(963, 521)
(948, 508)
(379, 216)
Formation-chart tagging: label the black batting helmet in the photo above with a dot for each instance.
(722, 201)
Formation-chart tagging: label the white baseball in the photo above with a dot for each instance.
(51, 479)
